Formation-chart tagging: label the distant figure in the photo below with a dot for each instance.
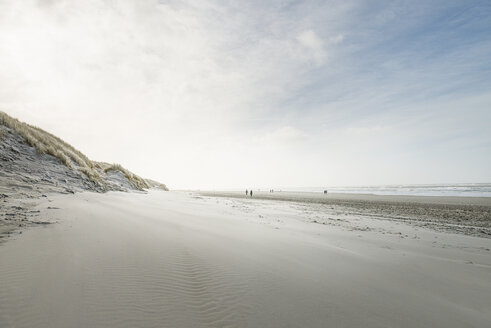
(325, 191)
(247, 192)
(251, 192)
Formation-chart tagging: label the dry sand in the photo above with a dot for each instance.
(169, 259)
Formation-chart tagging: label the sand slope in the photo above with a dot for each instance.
(181, 260)
(35, 163)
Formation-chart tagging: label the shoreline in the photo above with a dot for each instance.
(326, 198)
(467, 215)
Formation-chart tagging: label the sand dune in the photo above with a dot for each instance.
(35, 163)
(32, 148)
(184, 260)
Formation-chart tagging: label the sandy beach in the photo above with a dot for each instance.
(179, 259)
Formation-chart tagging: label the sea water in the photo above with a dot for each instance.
(467, 189)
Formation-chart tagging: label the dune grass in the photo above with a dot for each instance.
(46, 143)
(134, 179)
(156, 184)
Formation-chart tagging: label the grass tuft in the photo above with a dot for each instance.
(134, 179)
(156, 184)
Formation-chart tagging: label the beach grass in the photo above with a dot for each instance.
(46, 143)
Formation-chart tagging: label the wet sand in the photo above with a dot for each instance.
(467, 215)
(169, 259)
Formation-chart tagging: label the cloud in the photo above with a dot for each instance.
(313, 43)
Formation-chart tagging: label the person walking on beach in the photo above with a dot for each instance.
(251, 192)
(247, 192)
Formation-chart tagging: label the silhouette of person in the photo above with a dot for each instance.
(247, 192)
(251, 192)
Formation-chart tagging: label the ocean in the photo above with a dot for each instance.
(464, 189)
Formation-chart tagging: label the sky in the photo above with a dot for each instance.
(258, 94)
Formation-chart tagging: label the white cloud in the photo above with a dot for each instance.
(313, 43)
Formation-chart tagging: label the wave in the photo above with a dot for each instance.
(464, 189)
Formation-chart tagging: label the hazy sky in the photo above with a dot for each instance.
(223, 94)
